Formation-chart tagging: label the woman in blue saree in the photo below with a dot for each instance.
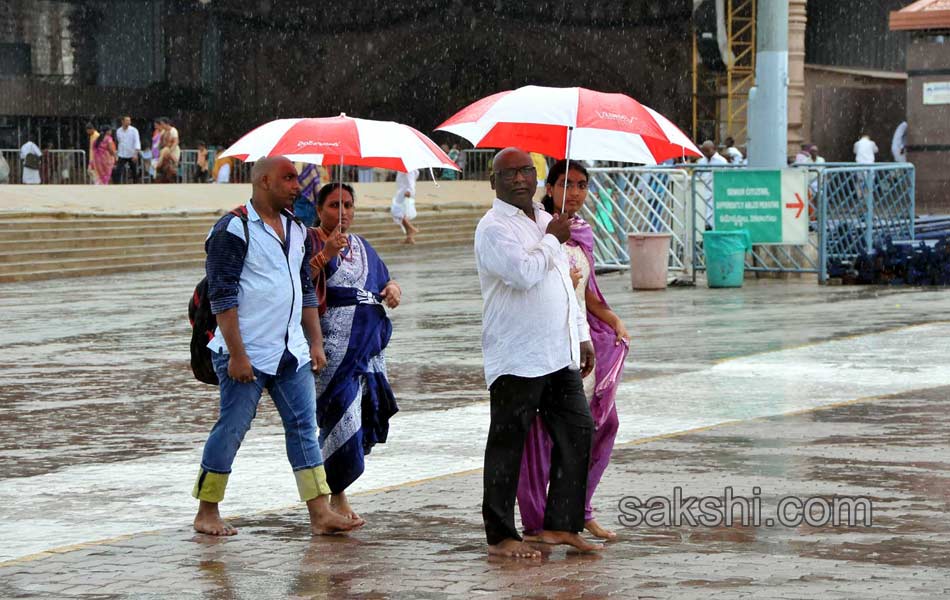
(354, 399)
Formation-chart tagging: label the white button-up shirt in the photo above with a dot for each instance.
(129, 142)
(270, 287)
(864, 150)
(531, 322)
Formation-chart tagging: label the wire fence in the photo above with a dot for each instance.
(56, 167)
(624, 201)
(862, 207)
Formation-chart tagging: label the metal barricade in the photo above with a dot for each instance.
(622, 201)
(475, 163)
(861, 206)
(188, 166)
(764, 258)
(851, 209)
(58, 167)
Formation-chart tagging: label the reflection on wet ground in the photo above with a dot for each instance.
(426, 540)
(99, 391)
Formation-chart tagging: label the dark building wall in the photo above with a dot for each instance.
(928, 125)
(226, 66)
(854, 33)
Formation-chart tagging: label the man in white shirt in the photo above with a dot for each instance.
(30, 157)
(129, 144)
(403, 207)
(733, 154)
(536, 349)
(899, 143)
(864, 150)
(710, 158)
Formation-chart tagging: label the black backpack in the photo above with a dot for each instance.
(203, 321)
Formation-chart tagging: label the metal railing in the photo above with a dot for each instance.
(764, 258)
(851, 209)
(56, 166)
(861, 206)
(622, 201)
(475, 163)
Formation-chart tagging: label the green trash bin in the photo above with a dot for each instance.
(725, 257)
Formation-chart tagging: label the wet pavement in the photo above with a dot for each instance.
(101, 428)
(424, 540)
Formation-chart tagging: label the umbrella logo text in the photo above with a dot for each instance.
(609, 116)
(304, 143)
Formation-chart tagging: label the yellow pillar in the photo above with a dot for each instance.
(797, 20)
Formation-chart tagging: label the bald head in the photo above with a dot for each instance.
(708, 148)
(274, 181)
(508, 155)
(267, 166)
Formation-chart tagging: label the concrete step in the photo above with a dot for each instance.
(32, 241)
(37, 270)
(127, 227)
(38, 247)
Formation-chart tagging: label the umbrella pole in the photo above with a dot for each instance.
(339, 221)
(567, 167)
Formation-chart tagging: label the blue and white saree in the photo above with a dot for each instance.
(354, 399)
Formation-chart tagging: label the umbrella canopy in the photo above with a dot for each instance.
(343, 140)
(574, 122)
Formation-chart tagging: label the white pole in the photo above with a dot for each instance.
(567, 166)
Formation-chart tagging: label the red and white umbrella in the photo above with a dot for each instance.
(343, 140)
(571, 123)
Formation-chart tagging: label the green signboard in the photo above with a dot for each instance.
(770, 205)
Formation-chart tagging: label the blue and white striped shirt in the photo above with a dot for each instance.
(269, 286)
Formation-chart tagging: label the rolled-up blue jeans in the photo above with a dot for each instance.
(294, 395)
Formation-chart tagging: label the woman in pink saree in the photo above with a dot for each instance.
(103, 156)
(611, 343)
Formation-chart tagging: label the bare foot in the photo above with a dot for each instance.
(512, 548)
(597, 531)
(568, 538)
(340, 504)
(325, 521)
(208, 520)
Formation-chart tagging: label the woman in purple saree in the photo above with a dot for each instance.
(611, 342)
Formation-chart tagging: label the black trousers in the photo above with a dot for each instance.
(559, 398)
(118, 173)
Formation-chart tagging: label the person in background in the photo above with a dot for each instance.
(129, 144)
(459, 160)
(710, 158)
(221, 170)
(899, 143)
(540, 166)
(103, 160)
(865, 149)
(448, 174)
(403, 208)
(156, 146)
(803, 156)
(305, 206)
(30, 158)
(4, 170)
(733, 154)
(92, 136)
(201, 164)
(48, 173)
